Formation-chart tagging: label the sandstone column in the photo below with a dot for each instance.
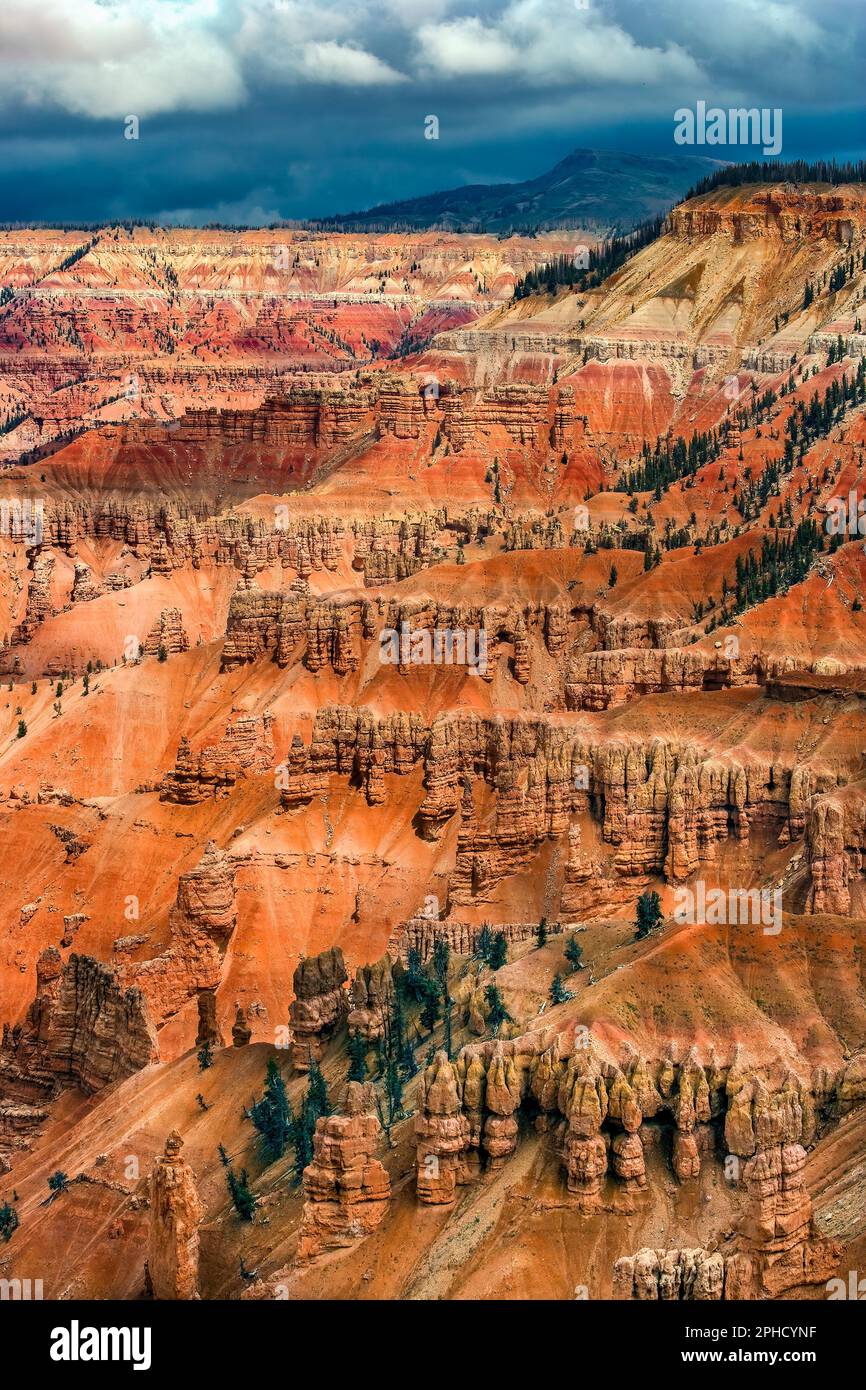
(175, 1211)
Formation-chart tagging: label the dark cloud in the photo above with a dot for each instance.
(268, 108)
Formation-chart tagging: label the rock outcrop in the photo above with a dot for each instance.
(200, 926)
(346, 1188)
(664, 808)
(245, 749)
(175, 1213)
(208, 1027)
(83, 1029)
(319, 1006)
(372, 998)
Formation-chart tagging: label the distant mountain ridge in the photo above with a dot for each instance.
(596, 189)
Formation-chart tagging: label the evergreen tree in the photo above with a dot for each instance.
(441, 961)
(541, 933)
(223, 1153)
(317, 1091)
(242, 1198)
(414, 978)
(497, 1014)
(357, 1050)
(272, 1115)
(394, 1092)
(573, 953)
(205, 1056)
(485, 942)
(430, 1010)
(9, 1221)
(408, 1065)
(558, 993)
(649, 913)
(498, 951)
(57, 1183)
(302, 1138)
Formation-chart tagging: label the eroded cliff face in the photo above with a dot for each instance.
(835, 849)
(245, 749)
(791, 215)
(603, 1119)
(776, 1247)
(88, 347)
(200, 926)
(644, 716)
(84, 1029)
(319, 1006)
(663, 809)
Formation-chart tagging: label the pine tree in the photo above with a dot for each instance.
(497, 1014)
(302, 1138)
(272, 1115)
(430, 1010)
(485, 943)
(205, 1056)
(414, 978)
(357, 1050)
(9, 1221)
(408, 1065)
(541, 933)
(57, 1183)
(242, 1198)
(394, 1092)
(498, 951)
(441, 960)
(223, 1153)
(649, 913)
(573, 953)
(317, 1091)
(558, 993)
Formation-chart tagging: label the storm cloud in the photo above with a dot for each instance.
(255, 110)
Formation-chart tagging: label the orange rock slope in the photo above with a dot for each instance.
(345, 718)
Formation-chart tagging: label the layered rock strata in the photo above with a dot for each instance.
(200, 924)
(175, 1213)
(346, 1188)
(83, 1029)
(319, 1006)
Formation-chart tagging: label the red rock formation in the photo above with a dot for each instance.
(442, 1134)
(835, 849)
(208, 1027)
(175, 1213)
(167, 635)
(319, 1006)
(200, 925)
(245, 748)
(372, 996)
(346, 1188)
(83, 1029)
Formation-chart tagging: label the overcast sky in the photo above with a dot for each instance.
(252, 110)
